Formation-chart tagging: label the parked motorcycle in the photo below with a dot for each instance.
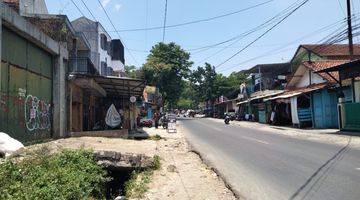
(164, 122)
(227, 119)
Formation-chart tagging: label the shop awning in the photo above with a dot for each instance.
(297, 92)
(242, 102)
(267, 94)
(118, 86)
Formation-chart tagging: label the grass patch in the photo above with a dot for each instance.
(70, 174)
(155, 137)
(137, 185)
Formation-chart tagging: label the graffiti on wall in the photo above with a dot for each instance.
(32, 112)
(37, 114)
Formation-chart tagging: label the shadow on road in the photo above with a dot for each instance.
(320, 175)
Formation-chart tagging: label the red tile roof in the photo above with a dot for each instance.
(332, 49)
(320, 65)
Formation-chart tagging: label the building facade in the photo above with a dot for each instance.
(106, 54)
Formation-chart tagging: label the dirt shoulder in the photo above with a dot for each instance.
(322, 135)
(183, 174)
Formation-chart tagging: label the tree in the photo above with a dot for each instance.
(209, 85)
(132, 72)
(166, 67)
(202, 82)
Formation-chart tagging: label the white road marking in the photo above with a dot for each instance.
(253, 139)
(217, 129)
(358, 168)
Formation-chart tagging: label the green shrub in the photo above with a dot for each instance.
(137, 185)
(70, 174)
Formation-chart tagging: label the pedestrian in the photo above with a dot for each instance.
(156, 119)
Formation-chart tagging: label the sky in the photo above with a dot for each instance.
(278, 45)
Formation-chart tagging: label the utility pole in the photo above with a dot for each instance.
(165, 16)
(350, 36)
(260, 78)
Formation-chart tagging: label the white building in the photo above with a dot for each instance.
(106, 54)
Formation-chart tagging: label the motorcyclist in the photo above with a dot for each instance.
(227, 118)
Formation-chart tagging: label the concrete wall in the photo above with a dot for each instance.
(305, 80)
(104, 56)
(89, 28)
(29, 7)
(117, 65)
(12, 20)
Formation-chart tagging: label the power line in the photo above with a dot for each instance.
(262, 35)
(255, 29)
(164, 29)
(77, 7)
(112, 24)
(195, 21)
(241, 36)
(282, 49)
(89, 10)
(336, 36)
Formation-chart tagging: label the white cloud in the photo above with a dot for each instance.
(118, 7)
(105, 2)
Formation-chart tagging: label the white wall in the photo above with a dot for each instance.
(357, 91)
(305, 80)
(117, 65)
(104, 57)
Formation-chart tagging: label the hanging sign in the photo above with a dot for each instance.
(132, 99)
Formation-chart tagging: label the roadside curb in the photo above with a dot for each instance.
(209, 164)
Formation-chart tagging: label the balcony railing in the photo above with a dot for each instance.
(82, 65)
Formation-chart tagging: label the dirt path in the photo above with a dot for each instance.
(183, 174)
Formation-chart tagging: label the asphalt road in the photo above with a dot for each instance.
(264, 165)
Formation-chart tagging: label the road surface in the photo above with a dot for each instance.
(265, 165)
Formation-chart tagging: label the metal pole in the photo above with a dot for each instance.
(350, 36)
(164, 28)
(260, 78)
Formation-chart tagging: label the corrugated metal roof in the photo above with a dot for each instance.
(298, 91)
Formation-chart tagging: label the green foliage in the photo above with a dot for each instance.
(185, 103)
(137, 185)
(71, 174)
(166, 67)
(132, 72)
(205, 84)
(155, 137)
(157, 162)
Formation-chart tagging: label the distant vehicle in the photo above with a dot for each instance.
(164, 121)
(199, 115)
(146, 123)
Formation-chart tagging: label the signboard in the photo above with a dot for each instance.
(132, 99)
(171, 127)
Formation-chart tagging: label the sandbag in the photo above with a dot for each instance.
(113, 118)
(8, 145)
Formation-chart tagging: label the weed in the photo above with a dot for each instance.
(155, 137)
(137, 185)
(70, 174)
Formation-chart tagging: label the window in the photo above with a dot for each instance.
(103, 42)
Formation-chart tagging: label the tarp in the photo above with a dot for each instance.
(294, 111)
(113, 118)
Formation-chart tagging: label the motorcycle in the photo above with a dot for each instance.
(164, 122)
(227, 119)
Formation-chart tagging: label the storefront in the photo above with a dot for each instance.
(92, 96)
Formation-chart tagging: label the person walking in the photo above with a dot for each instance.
(156, 119)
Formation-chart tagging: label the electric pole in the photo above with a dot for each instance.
(350, 36)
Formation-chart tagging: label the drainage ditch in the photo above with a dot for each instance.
(120, 168)
(116, 186)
